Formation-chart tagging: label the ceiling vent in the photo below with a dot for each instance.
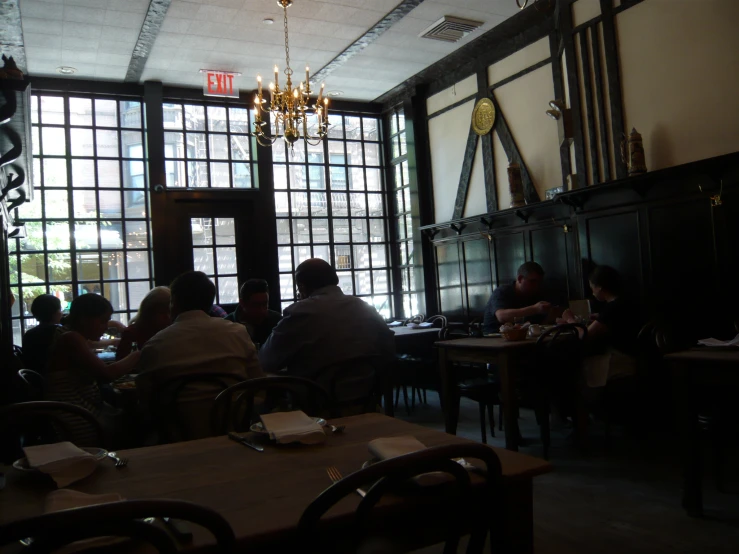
(451, 29)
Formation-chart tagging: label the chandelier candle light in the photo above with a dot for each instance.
(290, 107)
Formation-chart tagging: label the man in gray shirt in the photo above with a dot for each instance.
(325, 328)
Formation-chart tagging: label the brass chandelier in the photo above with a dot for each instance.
(290, 107)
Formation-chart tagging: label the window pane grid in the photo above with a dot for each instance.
(209, 145)
(214, 253)
(78, 239)
(321, 199)
(403, 218)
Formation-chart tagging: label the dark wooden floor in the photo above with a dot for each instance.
(626, 501)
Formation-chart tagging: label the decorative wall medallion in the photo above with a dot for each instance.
(483, 116)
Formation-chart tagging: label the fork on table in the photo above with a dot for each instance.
(335, 475)
(119, 462)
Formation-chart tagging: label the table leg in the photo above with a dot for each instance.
(510, 401)
(449, 396)
(516, 524)
(690, 444)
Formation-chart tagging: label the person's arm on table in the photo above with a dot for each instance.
(509, 315)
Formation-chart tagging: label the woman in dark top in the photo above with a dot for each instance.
(612, 333)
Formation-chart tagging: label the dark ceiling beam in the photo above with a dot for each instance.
(511, 35)
(11, 33)
(148, 34)
(400, 11)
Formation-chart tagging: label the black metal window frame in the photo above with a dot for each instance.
(186, 158)
(402, 216)
(327, 185)
(38, 214)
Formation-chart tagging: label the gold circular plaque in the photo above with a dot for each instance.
(483, 116)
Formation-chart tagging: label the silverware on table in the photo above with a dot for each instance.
(335, 475)
(234, 437)
(120, 463)
(337, 428)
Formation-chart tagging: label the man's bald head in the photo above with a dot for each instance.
(314, 274)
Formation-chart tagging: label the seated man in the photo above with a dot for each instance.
(195, 343)
(37, 342)
(521, 299)
(253, 311)
(325, 328)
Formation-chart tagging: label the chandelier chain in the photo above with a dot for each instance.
(288, 70)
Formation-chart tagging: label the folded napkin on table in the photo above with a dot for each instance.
(63, 461)
(65, 499)
(392, 447)
(287, 427)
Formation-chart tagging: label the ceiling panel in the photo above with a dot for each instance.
(98, 36)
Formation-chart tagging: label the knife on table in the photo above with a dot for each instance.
(233, 436)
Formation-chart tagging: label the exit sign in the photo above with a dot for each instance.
(219, 83)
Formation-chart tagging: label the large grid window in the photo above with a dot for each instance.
(209, 146)
(214, 253)
(410, 271)
(330, 204)
(87, 228)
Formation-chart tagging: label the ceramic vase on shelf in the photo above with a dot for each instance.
(632, 153)
(515, 185)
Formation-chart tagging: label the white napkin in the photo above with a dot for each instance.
(63, 461)
(392, 447)
(716, 342)
(287, 427)
(65, 499)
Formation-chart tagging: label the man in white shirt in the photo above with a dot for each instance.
(325, 328)
(195, 343)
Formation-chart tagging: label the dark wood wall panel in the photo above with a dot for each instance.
(550, 250)
(614, 240)
(510, 253)
(684, 280)
(450, 279)
(478, 275)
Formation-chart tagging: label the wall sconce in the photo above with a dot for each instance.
(563, 116)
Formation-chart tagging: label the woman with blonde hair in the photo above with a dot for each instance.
(153, 316)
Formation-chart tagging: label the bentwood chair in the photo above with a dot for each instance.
(558, 361)
(34, 384)
(123, 519)
(469, 511)
(237, 407)
(44, 422)
(353, 386)
(183, 405)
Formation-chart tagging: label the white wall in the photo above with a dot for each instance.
(476, 199)
(447, 140)
(680, 78)
(447, 97)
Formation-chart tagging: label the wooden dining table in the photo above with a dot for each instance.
(495, 350)
(263, 494)
(699, 369)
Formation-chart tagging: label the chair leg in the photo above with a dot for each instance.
(405, 399)
(500, 417)
(491, 416)
(397, 396)
(483, 427)
(425, 398)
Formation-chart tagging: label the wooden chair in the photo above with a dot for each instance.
(485, 390)
(467, 513)
(557, 365)
(44, 422)
(168, 411)
(117, 519)
(235, 407)
(353, 386)
(34, 384)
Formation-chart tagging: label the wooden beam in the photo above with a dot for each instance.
(452, 106)
(513, 153)
(374, 32)
(589, 110)
(537, 65)
(559, 93)
(565, 30)
(147, 36)
(614, 81)
(486, 151)
(464, 177)
(11, 33)
(601, 100)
